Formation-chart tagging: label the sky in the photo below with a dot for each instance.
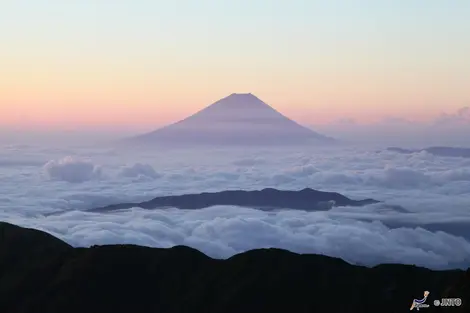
(102, 64)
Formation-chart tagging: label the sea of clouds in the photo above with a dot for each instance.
(51, 189)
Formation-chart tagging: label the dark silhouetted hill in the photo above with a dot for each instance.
(239, 119)
(439, 151)
(266, 199)
(40, 274)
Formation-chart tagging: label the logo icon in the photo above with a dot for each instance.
(420, 303)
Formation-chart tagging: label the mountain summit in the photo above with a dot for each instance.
(241, 119)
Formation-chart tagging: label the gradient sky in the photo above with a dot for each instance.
(144, 63)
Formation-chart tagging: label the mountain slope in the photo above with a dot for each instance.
(239, 119)
(125, 279)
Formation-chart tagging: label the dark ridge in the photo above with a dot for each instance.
(56, 278)
(15, 241)
(439, 151)
(266, 199)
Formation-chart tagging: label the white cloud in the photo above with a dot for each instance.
(140, 170)
(72, 170)
(394, 177)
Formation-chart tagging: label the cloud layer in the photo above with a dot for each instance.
(52, 196)
(224, 231)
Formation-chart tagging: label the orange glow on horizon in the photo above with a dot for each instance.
(104, 96)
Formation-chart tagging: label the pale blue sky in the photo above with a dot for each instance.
(184, 22)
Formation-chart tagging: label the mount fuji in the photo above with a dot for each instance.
(239, 119)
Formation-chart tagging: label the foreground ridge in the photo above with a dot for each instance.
(39, 273)
(266, 199)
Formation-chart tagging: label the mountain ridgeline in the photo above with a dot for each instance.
(266, 199)
(455, 152)
(40, 273)
(240, 120)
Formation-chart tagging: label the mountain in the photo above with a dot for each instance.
(56, 278)
(266, 199)
(239, 119)
(438, 151)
